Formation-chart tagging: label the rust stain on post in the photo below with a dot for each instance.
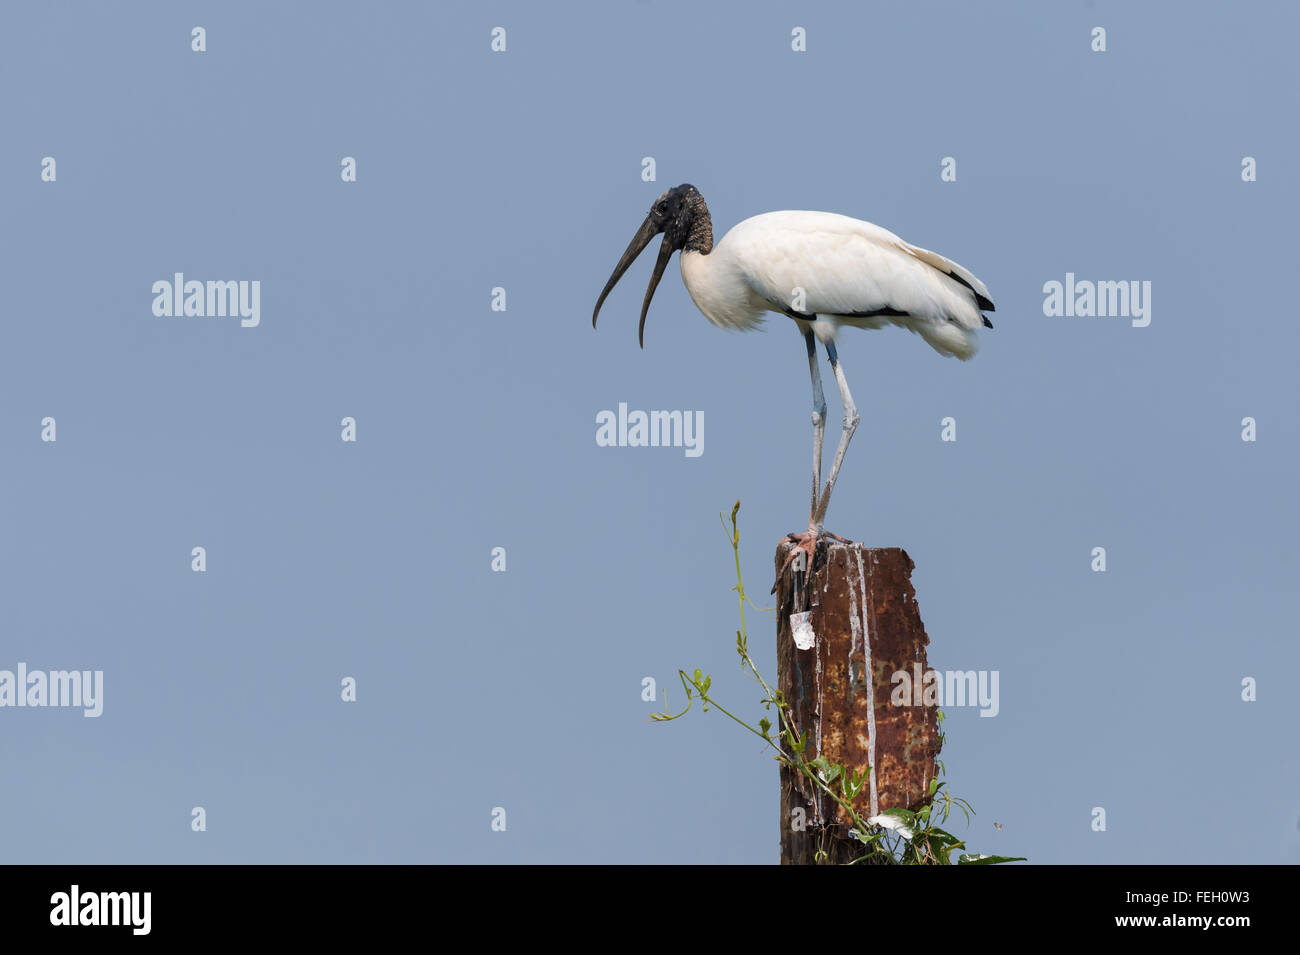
(867, 627)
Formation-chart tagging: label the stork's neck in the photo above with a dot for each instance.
(701, 237)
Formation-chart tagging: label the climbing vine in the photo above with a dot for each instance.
(896, 836)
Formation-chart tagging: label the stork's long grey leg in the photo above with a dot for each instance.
(818, 420)
(850, 425)
(806, 543)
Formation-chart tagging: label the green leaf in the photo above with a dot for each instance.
(906, 815)
(765, 724)
(942, 837)
(978, 859)
(851, 784)
(827, 770)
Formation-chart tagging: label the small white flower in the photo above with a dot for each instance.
(894, 823)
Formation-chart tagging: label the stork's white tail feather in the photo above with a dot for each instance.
(948, 338)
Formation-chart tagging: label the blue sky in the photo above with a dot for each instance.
(476, 428)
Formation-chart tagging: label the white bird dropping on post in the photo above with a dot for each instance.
(801, 623)
(802, 631)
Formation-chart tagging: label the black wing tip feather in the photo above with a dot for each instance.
(983, 301)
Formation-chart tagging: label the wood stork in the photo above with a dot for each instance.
(822, 270)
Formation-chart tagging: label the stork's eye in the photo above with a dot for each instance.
(661, 209)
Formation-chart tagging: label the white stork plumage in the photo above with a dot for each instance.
(822, 270)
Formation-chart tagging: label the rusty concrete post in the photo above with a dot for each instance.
(865, 628)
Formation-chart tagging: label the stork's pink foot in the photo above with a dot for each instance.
(806, 544)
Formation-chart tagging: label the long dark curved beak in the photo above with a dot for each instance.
(639, 241)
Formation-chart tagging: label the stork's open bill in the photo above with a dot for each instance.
(822, 270)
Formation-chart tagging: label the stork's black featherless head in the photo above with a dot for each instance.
(683, 218)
